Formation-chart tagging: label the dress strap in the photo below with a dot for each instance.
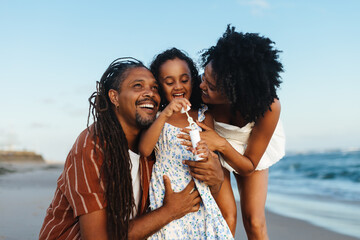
(201, 112)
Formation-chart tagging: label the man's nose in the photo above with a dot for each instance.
(149, 92)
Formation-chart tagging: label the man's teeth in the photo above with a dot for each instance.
(147, 106)
(178, 94)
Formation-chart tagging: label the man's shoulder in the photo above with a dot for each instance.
(84, 141)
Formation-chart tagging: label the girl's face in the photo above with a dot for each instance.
(175, 79)
(209, 91)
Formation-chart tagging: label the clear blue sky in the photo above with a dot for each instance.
(52, 52)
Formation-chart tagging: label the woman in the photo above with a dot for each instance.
(239, 84)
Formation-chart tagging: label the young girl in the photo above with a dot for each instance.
(239, 83)
(178, 77)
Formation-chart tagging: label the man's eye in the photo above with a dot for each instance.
(156, 88)
(138, 85)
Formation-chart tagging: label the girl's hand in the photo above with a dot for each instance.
(175, 106)
(186, 140)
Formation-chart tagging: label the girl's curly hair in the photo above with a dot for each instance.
(171, 54)
(247, 70)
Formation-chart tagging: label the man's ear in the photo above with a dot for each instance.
(114, 97)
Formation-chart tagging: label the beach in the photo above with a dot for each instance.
(285, 228)
(27, 190)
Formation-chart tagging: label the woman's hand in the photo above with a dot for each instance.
(175, 106)
(213, 140)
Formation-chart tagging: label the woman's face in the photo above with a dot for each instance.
(209, 91)
(175, 79)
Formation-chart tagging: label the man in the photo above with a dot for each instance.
(103, 188)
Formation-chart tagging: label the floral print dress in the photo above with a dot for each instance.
(207, 222)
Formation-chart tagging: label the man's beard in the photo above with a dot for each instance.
(144, 122)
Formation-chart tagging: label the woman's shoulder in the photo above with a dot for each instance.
(276, 106)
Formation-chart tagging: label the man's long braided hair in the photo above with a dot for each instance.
(109, 134)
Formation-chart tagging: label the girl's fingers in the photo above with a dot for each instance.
(185, 130)
(186, 144)
(184, 136)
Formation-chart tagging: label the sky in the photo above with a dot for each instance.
(53, 52)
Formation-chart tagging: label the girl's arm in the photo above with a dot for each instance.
(150, 136)
(257, 143)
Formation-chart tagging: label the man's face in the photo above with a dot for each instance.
(138, 98)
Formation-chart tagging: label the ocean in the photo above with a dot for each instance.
(322, 188)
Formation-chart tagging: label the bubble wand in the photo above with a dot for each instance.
(194, 133)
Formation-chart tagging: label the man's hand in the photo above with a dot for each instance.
(209, 169)
(181, 203)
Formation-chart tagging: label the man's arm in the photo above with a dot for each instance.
(208, 170)
(175, 206)
(93, 225)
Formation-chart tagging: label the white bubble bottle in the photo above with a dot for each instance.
(194, 132)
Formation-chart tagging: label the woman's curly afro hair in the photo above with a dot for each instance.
(171, 54)
(247, 70)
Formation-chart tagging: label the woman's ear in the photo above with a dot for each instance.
(114, 97)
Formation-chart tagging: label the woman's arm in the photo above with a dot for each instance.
(257, 143)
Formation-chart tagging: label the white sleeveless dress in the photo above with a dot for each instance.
(207, 222)
(238, 138)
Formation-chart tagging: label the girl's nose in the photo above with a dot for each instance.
(178, 85)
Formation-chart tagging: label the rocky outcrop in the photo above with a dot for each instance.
(20, 156)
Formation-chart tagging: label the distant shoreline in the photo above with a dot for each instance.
(20, 157)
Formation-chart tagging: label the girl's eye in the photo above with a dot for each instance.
(169, 83)
(185, 80)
